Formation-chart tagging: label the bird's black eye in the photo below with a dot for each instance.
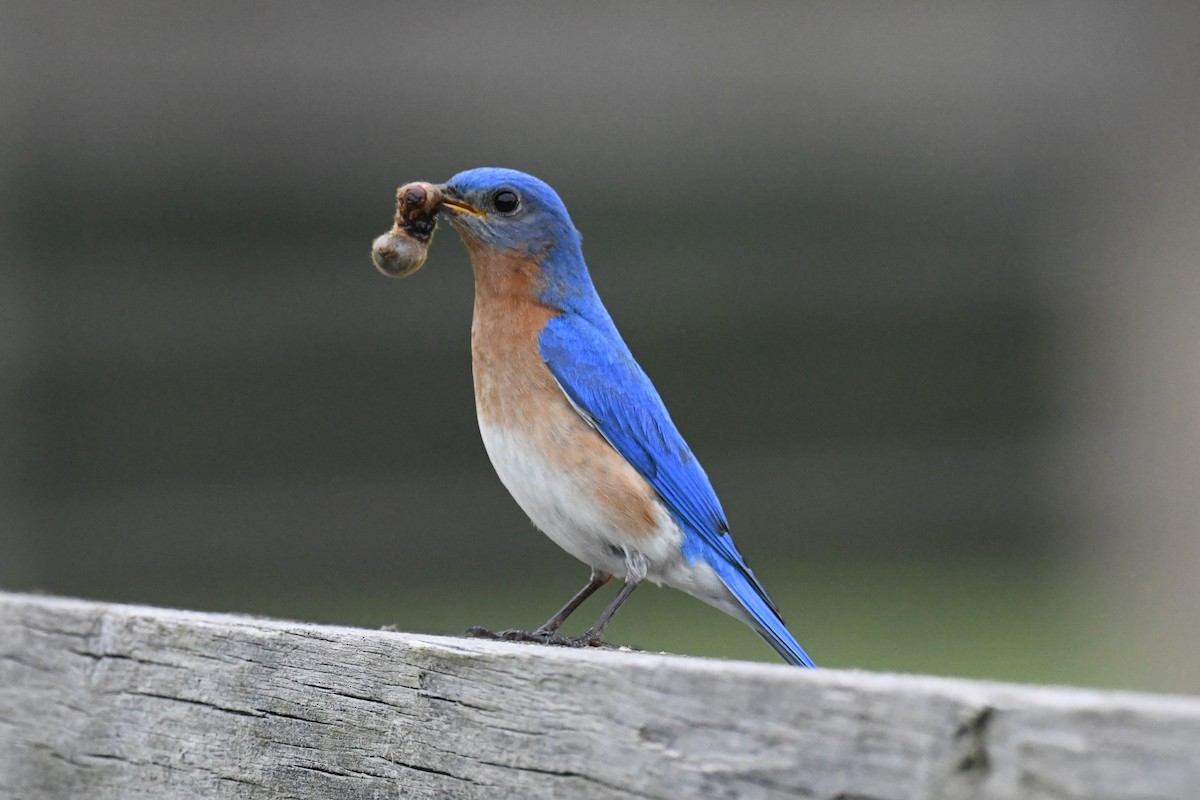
(506, 201)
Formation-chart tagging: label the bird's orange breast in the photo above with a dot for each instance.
(515, 390)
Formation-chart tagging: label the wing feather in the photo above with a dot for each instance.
(610, 390)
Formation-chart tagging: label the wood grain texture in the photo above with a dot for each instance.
(110, 701)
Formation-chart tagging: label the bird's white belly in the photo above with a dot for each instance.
(566, 506)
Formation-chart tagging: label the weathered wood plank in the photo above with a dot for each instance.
(109, 701)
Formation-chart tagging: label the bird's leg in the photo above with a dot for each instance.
(635, 564)
(551, 625)
(592, 636)
(547, 634)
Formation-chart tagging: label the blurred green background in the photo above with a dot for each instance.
(919, 284)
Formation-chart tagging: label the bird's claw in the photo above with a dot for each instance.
(537, 637)
(540, 636)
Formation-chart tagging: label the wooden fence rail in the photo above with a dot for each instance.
(111, 701)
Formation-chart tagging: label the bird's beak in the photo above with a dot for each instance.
(452, 202)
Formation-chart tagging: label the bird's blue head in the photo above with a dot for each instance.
(509, 211)
(503, 212)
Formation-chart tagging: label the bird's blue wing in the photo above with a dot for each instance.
(607, 386)
(603, 381)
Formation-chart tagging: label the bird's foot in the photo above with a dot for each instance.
(537, 637)
(588, 640)
(541, 636)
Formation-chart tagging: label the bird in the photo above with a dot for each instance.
(573, 426)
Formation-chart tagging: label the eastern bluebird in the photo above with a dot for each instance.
(574, 428)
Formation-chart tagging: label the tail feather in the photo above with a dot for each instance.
(763, 617)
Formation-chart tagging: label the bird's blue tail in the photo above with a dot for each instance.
(765, 618)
